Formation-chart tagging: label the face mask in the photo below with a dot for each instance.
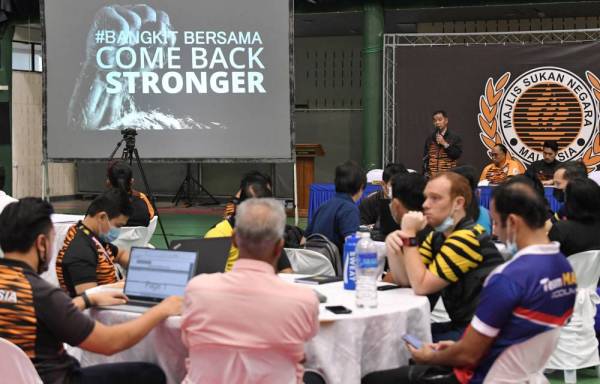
(559, 195)
(112, 234)
(445, 225)
(511, 246)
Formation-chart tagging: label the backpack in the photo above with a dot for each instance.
(321, 244)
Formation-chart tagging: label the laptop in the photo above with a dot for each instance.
(154, 274)
(212, 253)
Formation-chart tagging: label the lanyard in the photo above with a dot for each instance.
(107, 257)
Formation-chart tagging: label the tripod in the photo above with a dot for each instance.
(189, 187)
(130, 153)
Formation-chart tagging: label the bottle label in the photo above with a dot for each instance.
(350, 271)
(367, 260)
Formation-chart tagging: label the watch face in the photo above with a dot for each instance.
(410, 241)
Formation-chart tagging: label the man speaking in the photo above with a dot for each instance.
(442, 147)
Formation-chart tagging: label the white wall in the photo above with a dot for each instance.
(27, 142)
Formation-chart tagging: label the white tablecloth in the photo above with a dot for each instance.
(346, 348)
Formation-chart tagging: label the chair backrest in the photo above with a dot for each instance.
(15, 366)
(136, 236)
(321, 244)
(374, 175)
(586, 266)
(578, 346)
(524, 362)
(307, 262)
(62, 224)
(595, 175)
(228, 365)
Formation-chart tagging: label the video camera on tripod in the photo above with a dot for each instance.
(129, 135)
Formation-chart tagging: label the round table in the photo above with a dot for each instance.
(346, 348)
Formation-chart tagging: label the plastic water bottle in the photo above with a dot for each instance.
(350, 262)
(366, 272)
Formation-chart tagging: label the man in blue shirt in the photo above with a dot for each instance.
(340, 217)
(529, 295)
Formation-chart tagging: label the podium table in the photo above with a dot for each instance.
(305, 173)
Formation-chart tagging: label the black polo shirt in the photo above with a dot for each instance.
(85, 258)
(142, 211)
(39, 318)
(575, 237)
(375, 209)
(542, 170)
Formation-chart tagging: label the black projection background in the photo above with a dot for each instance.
(198, 80)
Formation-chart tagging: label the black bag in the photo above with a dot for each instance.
(321, 244)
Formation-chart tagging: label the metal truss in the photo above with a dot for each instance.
(391, 41)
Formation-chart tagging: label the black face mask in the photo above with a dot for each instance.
(559, 195)
(42, 263)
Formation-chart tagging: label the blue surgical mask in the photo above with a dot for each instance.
(445, 225)
(112, 234)
(511, 246)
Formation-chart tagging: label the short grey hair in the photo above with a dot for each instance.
(259, 222)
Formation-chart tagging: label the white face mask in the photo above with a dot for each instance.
(447, 223)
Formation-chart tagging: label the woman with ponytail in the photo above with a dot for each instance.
(120, 176)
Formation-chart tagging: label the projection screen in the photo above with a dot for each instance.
(196, 79)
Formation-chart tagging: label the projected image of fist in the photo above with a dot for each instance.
(114, 42)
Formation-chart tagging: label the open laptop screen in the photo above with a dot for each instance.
(154, 274)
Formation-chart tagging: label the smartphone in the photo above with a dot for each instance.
(338, 309)
(387, 287)
(410, 339)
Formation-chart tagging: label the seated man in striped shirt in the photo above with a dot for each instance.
(453, 260)
(88, 258)
(501, 167)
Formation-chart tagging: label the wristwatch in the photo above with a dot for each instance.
(409, 242)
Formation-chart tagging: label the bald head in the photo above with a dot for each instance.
(259, 227)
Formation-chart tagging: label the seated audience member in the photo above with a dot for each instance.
(544, 169)
(4, 198)
(501, 167)
(454, 259)
(250, 177)
(538, 187)
(88, 258)
(513, 307)
(119, 175)
(475, 211)
(38, 317)
(564, 173)
(249, 310)
(407, 195)
(580, 231)
(340, 217)
(374, 209)
(251, 189)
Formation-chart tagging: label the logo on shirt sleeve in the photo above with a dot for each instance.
(561, 286)
(8, 296)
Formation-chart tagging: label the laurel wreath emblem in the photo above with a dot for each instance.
(591, 157)
(488, 110)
